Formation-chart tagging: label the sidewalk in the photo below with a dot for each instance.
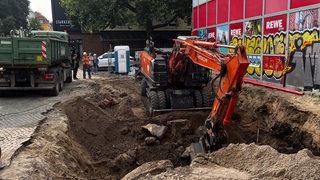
(16, 128)
(19, 118)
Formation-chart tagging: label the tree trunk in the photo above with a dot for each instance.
(149, 29)
(149, 41)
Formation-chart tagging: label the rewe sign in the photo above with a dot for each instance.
(275, 24)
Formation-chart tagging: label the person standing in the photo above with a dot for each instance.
(75, 61)
(86, 65)
(91, 62)
(95, 63)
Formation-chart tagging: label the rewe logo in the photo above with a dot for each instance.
(235, 32)
(274, 24)
(211, 35)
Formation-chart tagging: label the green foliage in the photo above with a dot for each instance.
(34, 24)
(8, 23)
(13, 14)
(152, 14)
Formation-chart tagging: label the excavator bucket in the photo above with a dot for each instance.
(195, 149)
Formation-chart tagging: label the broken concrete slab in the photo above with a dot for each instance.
(155, 130)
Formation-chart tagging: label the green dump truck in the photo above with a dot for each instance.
(40, 61)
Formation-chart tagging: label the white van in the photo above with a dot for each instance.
(106, 61)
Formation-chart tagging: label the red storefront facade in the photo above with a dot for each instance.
(282, 37)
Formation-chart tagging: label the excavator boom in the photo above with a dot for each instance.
(177, 81)
(229, 69)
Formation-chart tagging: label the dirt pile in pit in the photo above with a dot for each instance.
(108, 125)
(275, 118)
(101, 137)
(265, 162)
(242, 161)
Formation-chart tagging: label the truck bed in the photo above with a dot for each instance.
(15, 51)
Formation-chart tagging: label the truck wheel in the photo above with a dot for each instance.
(61, 82)
(153, 102)
(69, 77)
(162, 99)
(55, 90)
(143, 91)
(205, 99)
(198, 99)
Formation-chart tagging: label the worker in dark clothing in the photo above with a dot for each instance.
(75, 62)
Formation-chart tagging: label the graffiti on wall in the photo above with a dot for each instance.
(274, 39)
(288, 51)
(235, 34)
(302, 67)
(253, 43)
(252, 38)
(304, 45)
(307, 37)
(274, 48)
(304, 60)
(300, 41)
(274, 66)
(274, 43)
(254, 69)
(236, 41)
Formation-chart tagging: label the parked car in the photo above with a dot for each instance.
(106, 61)
(131, 58)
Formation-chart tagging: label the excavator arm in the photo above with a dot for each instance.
(229, 69)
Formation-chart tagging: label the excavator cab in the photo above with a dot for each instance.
(170, 91)
(177, 82)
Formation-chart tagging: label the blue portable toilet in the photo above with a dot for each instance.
(122, 59)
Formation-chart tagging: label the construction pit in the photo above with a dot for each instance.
(272, 135)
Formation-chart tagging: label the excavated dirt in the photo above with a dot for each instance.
(99, 136)
(108, 125)
(277, 119)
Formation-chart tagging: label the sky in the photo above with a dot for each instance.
(42, 6)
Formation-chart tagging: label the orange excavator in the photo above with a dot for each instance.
(176, 81)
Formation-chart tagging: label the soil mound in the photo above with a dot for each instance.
(243, 161)
(100, 136)
(108, 124)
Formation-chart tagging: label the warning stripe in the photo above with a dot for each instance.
(44, 49)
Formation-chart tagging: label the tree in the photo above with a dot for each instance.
(34, 24)
(7, 24)
(13, 14)
(152, 14)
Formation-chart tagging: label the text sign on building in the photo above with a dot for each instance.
(236, 30)
(60, 20)
(212, 32)
(275, 24)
